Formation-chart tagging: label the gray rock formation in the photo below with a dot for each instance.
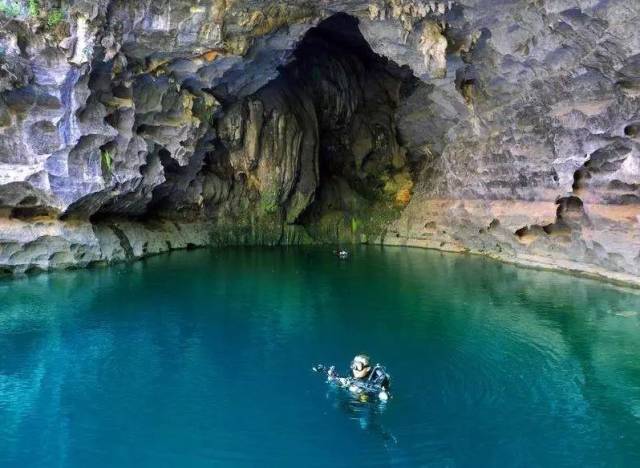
(510, 129)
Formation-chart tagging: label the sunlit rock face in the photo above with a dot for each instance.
(507, 128)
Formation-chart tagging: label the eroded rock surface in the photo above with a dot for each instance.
(505, 128)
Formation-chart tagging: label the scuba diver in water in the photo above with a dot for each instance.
(363, 373)
(364, 380)
(341, 253)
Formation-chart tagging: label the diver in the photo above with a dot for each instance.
(341, 253)
(366, 376)
(364, 379)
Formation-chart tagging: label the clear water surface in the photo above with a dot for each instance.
(203, 359)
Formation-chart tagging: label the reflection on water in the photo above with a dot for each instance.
(202, 358)
(366, 412)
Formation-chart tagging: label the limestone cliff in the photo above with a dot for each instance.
(506, 128)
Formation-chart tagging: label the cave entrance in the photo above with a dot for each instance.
(365, 173)
(319, 145)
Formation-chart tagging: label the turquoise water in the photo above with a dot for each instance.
(203, 358)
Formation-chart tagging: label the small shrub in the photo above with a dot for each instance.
(269, 201)
(33, 8)
(54, 18)
(10, 8)
(106, 160)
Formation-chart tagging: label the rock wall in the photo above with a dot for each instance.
(505, 128)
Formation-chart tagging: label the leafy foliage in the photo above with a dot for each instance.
(33, 8)
(106, 160)
(55, 17)
(269, 201)
(10, 8)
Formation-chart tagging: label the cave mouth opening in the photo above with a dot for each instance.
(365, 173)
(317, 147)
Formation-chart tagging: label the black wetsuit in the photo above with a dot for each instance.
(376, 378)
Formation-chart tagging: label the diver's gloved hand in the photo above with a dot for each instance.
(331, 371)
(343, 381)
(332, 375)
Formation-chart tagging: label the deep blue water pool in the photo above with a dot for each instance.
(203, 359)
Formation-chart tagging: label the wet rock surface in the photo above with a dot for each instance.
(507, 129)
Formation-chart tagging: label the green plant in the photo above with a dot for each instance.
(355, 224)
(9, 8)
(269, 201)
(33, 8)
(54, 17)
(106, 161)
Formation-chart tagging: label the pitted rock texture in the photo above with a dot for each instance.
(505, 128)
